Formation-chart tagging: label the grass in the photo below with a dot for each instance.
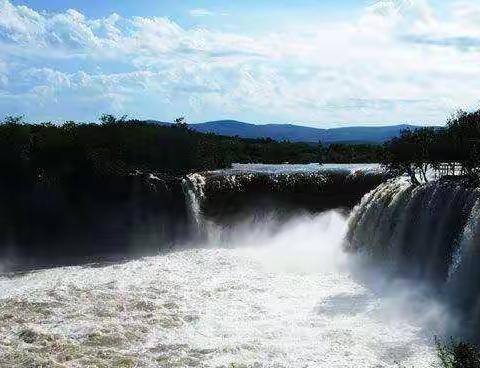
(458, 354)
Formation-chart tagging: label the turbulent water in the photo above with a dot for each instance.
(225, 196)
(271, 297)
(370, 288)
(429, 233)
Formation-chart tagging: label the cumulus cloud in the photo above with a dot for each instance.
(398, 62)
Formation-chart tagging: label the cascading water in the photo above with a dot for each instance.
(271, 297)
(193, 186)
(204, 229)
(429, 233)
(218, 200)
(274, 292)
(227, 196)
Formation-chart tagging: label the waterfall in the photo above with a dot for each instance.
(217, 199)
(193, 187)
(430, 233)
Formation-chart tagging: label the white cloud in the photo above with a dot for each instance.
(397, 62)
(199, 12)
(3, 74)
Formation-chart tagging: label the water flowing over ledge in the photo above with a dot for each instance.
(258, 190)
(145, 213)
(429, 233)
(277, 291)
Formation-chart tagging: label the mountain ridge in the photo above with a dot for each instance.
(299, 133)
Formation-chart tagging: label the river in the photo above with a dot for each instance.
(269, 293)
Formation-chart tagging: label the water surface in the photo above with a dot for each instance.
(289, 298)
(300, 168)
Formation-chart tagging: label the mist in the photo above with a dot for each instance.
(275, 292)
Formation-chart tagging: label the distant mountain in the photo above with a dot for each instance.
(297, 133)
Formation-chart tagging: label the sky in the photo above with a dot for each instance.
(321, 63)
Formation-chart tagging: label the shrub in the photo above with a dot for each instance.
(458, 354)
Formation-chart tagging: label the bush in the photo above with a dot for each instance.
(457, 354)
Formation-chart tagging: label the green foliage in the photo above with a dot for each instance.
(463, 136)
(415, 151)
(13, 119)
(181, 122)
(111, 119)
(48, 153)
(456, 354)
(353, 153)
(411, 153)
(119, 147)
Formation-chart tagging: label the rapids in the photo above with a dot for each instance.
(273, 295)
(428, 234)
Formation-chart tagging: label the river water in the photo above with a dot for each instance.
(270, 296)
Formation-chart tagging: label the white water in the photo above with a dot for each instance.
(274, 298)
(429, 233)
(193, 187)
(301, 168)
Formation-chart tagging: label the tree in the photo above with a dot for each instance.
(18, 119)
(111, 119)
(411, 154)
(464, 135)
(181, 122)
(417, 151)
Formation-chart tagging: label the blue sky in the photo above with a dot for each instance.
(179, 10)
(320, 63)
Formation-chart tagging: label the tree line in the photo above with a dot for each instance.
(453, 150)
(121, 146)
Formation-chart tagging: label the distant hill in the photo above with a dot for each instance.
(297, 133)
